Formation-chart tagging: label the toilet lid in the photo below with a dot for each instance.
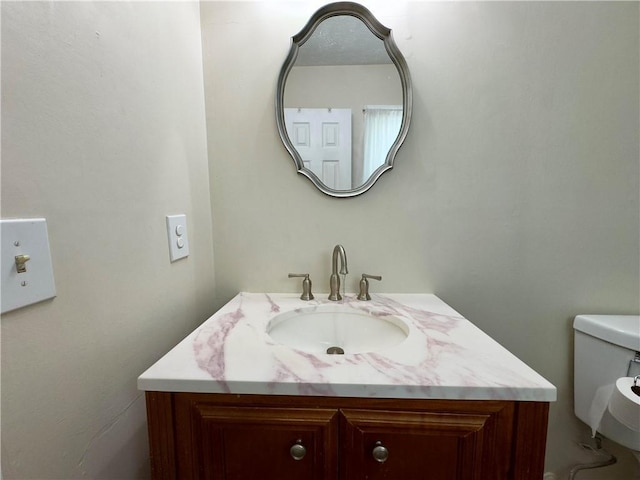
(622, 330)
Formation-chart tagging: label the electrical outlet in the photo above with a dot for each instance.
(177, 235)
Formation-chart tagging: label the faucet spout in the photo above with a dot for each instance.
(334, 280)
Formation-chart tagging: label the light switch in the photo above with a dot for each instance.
(177, 234)
(26, 269)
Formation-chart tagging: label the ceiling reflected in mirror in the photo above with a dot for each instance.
(342, 40)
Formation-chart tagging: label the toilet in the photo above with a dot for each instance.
(606, 348)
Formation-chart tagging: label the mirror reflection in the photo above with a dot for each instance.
(343, 101)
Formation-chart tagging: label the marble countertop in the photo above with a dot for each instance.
(445, 356)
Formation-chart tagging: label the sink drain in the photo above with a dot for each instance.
(335, 351)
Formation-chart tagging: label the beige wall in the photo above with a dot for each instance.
(515, 197)
(103, 134)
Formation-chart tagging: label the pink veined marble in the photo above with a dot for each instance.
(444, 356)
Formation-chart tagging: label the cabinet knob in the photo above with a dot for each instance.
(298, 451)
(380, 453)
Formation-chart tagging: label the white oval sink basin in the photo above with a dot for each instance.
(337, 329)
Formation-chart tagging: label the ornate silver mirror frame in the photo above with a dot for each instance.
(381, 32)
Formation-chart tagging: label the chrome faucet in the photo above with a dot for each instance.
(334, 280)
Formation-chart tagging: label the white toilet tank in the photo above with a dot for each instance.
(606, 348)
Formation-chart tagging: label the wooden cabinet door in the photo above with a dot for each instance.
(242, 443)
(419, 445)
(249, 437)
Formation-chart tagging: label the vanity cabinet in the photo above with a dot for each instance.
(269, 437)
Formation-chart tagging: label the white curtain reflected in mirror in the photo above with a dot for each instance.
(381, 127)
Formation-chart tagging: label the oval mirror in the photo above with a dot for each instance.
(343, 100)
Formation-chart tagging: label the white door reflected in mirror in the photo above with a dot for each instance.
(322, 137)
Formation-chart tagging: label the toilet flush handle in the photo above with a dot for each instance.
(634, 366)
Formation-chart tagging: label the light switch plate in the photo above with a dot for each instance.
(178, 239)
(36, 283)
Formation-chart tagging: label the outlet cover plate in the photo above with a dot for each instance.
(25, 237)
(178, 238)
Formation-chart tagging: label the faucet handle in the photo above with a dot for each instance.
(306, 285)
(364, 286)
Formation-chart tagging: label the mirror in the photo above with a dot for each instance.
(343, 100)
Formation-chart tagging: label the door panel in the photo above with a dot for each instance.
(433, 446)
(322, 137)
(255, 443)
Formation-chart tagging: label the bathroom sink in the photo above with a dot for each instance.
(337, 329)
